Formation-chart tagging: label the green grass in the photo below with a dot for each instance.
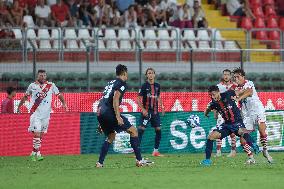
(170, 172)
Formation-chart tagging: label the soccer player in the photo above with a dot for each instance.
(252, 108)
(225, 85)
(7, 105)
(149, 100)
(224, 104)
(110, 119)
(40, 107)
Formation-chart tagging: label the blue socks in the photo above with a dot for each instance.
(208, 149)
(104, 151)
(157, 139)
(135, 145)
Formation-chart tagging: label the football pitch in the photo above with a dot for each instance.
(173, 171)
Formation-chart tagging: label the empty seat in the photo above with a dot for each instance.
(258, 12)
(217, 35)
(269, 11)
(281, 23)
(123, 34)
(163, 34)
(149, 34)
(268, 2)
(274, 35)
(188, 35)
(71, 38)
(44, 38)
(230, 45)
(261, 35)
(18, 33)
(272, 23)
(203, 45)
(151, 44)
(101, 44)
(259, 23)
(165, 45)
(31, 35)
(84, 34)
(55, 35)
(203, 35)
(124, 37)
(218, 45)
(110, 37)
(28, 20)
(246, 23)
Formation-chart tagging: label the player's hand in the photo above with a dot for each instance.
(120, 121)
(144, 112)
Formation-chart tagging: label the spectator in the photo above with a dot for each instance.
(28, 20)
(60, 14)
(191, 2)
(115, 16)
(7, 105)
(74, 12)
(185, 16)
(42, 13)
(141, 15)
(130, 17)
(142, 2)
(17, 13)
(103, 13)
(157, 15)
(5, 15)
(51, 2)
(198, 18)
(235, 8)
(86, 14)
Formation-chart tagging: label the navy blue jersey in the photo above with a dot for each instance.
(227, 107)
(112, 86)
(150, 94)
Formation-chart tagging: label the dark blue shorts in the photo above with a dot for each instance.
(227, 129)
(152, 118)
(108, 122)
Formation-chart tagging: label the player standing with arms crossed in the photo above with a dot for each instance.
(252, 108)
(149, 100)
(40, 107)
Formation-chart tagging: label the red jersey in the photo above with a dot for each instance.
(60, 12)
(7, 106)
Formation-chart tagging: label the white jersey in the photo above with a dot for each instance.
(41, 98)
(251, 103)
(223, 87)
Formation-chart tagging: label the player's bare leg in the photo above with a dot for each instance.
(134, 142)
(157, 142)
(263, 141)
(104, 149)
(36, 146)
(233, 152)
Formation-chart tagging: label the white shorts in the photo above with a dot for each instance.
(38, 124)
(253, 118)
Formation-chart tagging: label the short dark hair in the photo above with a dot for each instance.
(9, 90)
(150, 69)
(227, 70)
(41, 71)
(213, 88)
(120, 69)
(239, 71)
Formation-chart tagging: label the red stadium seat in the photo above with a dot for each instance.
(275, 45)
(261, 35)
(246, 23)
(269, 11)
(259, 23)
(281, 23)
(258, 12)
(255, 3)
(272, 23)
(268, 2)
(274, 35)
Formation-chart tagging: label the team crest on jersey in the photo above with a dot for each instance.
(41, 95)
(122, 88)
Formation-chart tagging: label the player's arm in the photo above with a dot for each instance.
(139, 102)
(115, 104)
(22, 101)
(62, 100)
(208, 110)
(244, 94)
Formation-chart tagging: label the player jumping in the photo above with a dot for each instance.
(252, 108)
(224, 104)
(149, 100)
(110, 119)
(41, 97)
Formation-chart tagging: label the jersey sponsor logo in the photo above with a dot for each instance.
(122, 88)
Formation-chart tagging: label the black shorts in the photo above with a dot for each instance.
(227, 129)
(154, 119)
(108, 122)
